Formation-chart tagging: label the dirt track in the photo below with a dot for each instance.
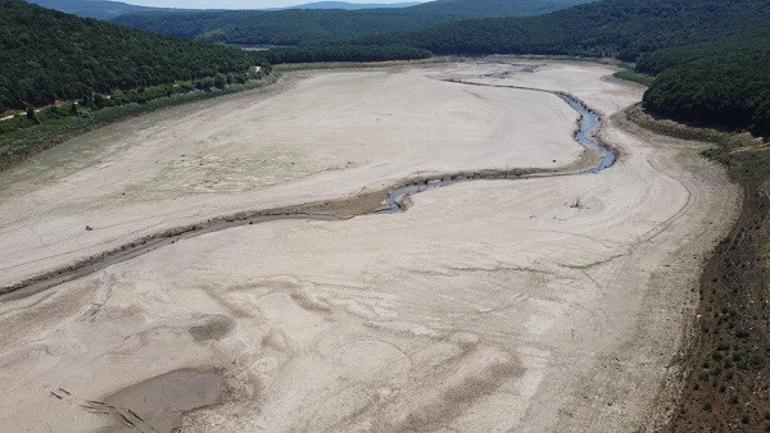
(489, 306)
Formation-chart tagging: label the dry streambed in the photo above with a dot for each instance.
(393, 199)
(551, 303)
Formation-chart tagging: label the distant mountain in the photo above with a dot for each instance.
(99, 9)
(495, 8)
(351, 6)
(293, 26)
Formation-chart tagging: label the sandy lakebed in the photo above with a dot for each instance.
(553, 304)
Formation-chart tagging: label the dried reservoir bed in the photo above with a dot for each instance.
(549, 303)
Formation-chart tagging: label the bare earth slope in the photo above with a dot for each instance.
(541, 305)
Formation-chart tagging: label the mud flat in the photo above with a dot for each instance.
(318, 136)
(548, 304)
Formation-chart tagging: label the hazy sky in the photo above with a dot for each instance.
(240, 4)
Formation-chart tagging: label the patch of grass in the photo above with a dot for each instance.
(17, 145)
(733, 329)
(727, 141)
(636, 77)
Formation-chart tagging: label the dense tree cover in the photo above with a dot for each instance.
(725, 83)
(91, 103)
(341, 53)
(712, 56)
(291, 27)
(615, 28)
(47, 55)
(754, 42)
(496, 8)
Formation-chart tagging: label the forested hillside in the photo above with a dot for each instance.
(616, 28)
(290, 27)
(341, 53)
(713, 56)
(48, 55)
(724, 83)
(754, 42)
(495, 8)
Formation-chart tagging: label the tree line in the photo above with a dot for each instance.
(623, 29)
(711, 56)
(92, 102)
(725, 83)
(47, 55)
(341, 53)
(705, 73)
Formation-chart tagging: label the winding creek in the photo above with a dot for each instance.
(394, 198)
(586, 135)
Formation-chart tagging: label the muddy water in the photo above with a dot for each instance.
(394, 201)
(161, 401)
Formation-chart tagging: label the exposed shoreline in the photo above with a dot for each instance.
(548, 298)
(392, 198)
(723, 382)
(54, 132)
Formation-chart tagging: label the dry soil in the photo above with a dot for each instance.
(542, 305)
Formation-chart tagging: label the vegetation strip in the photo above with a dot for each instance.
(393, 197)
(636, 77)
(47, 55)
(724, 83)
(726, 387)
(341, 53)
(22, 143)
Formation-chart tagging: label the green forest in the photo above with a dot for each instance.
(341, 53)
(47, 55)
(724, 83)
(711, 57)
(291, 27)
(623, 29)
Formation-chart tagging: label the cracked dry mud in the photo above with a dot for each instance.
(552, 304)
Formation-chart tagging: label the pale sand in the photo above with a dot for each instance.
(328, 136)
(488, 306)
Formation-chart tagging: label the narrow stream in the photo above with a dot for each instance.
(395, 201)
(588, 127)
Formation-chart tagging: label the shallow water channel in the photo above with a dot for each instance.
(586, 135)
(588, 127)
